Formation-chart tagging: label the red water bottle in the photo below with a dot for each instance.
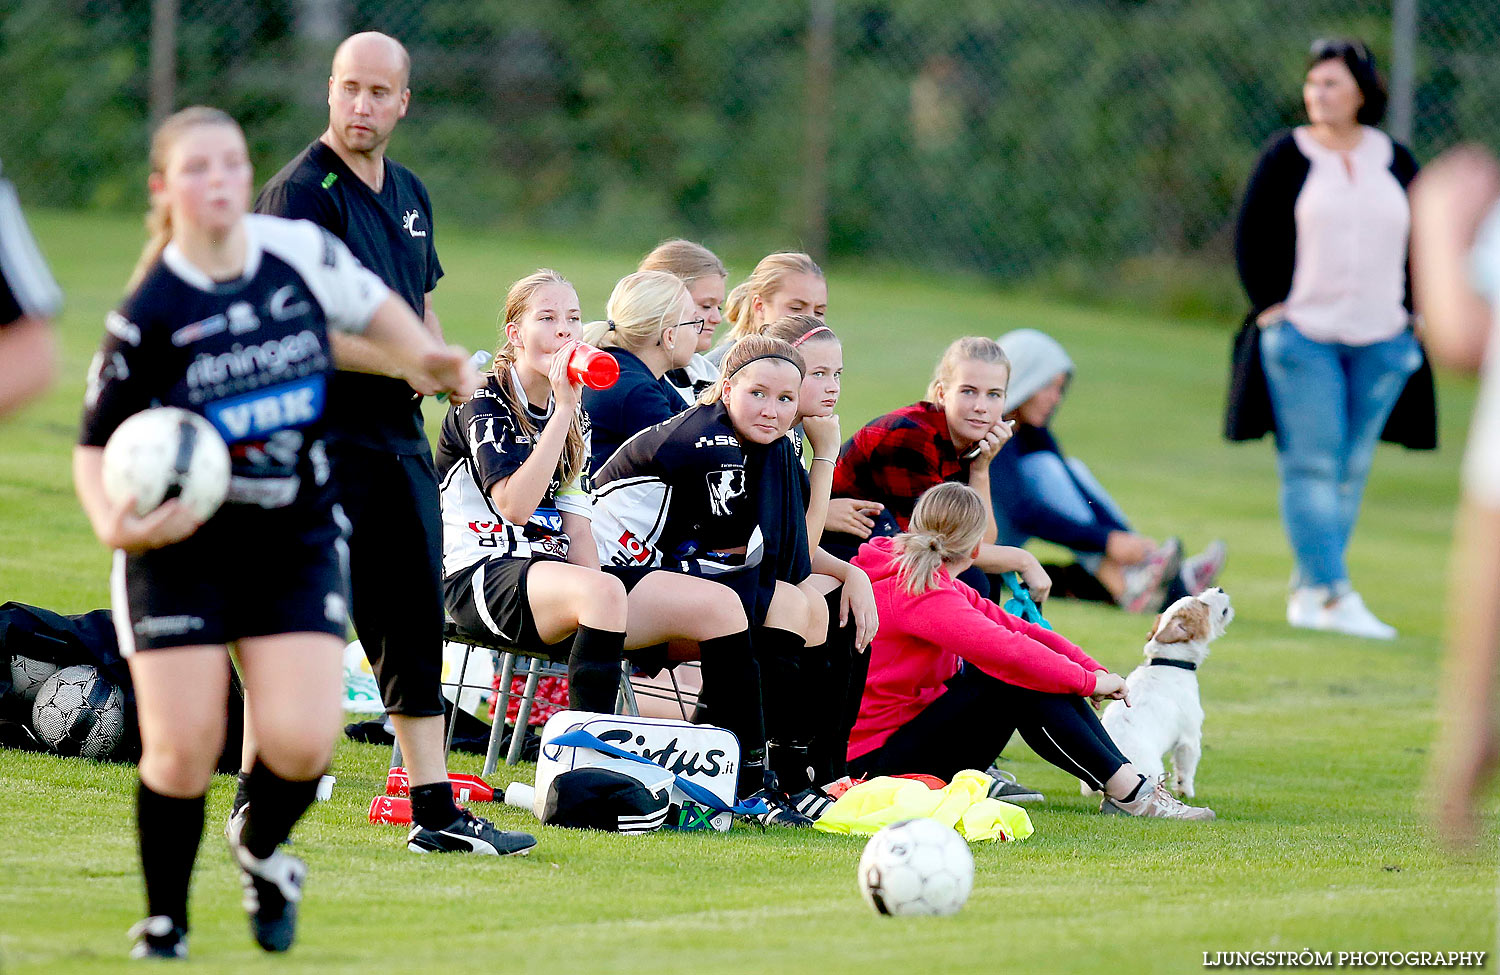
(593, 367)
(465, 787)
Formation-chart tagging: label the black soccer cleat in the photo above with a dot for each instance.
(273, 888)
(470, 834)
(158, 937)
(781, 810)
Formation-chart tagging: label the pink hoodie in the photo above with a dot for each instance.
(922, 637)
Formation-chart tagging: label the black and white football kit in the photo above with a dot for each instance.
(252, 356)
(382, 463)
(676, 496)
(486, 556)
(26, 286)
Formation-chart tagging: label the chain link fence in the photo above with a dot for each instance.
(1016, 137)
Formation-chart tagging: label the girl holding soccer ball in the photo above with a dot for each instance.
(229, 317)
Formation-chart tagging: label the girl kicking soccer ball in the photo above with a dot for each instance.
(952, 674)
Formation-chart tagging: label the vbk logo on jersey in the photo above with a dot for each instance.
(294, 404)
(724, 487)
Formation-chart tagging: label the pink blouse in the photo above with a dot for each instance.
(1353, 221)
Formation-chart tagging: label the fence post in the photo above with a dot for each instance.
(1403, 67)
(817, 123)
(163, 97)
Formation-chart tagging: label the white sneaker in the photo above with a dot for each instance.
(1348, 614)
(1309, 608)
(1306, 606)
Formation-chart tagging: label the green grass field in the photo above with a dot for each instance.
(1314, 747)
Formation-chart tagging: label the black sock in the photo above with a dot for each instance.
(1136, 791)
(731, 671)
(594, 669)
(792, 764)
(432, 805)
(782, 693)
(275, 806)
(169, 830)
(753, 776)
(241, 795)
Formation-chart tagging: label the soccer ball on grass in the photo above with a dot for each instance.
(916, 867)
(26, 675)
(78, 712)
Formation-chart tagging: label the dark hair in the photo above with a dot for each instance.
(1361, 63)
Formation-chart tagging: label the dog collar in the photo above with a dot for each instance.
(1180, 664)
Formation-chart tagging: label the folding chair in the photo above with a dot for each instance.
(514, 663)
(686, 700)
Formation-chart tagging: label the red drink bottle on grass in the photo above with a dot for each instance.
(593, 367)
(465, 787)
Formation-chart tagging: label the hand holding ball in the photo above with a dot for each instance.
(164, 453)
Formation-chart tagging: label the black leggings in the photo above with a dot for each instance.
(970, 723)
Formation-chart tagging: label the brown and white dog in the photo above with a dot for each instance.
(1165, 714)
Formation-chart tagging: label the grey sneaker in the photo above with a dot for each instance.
(1146, 582)
(1202, 570)
(1007, 789)
(1153, 801)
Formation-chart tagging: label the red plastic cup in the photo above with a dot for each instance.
(593, 367)
(390, 809)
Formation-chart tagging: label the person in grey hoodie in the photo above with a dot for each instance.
(1039, 492)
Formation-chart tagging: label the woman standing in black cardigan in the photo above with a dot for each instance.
(1321, 248)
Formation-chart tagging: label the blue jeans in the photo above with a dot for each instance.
(1331, 401)
(1073, 492)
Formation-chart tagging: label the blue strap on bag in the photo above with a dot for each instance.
(1021, 604)
(578, 738)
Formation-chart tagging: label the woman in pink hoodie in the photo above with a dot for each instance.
(952, 674)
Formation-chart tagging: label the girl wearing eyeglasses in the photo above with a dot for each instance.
(652, 328)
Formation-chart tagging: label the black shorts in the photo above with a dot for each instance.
(395, 571)
(233, 578)
(489, 599)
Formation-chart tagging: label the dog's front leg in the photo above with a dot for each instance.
(1184, 766)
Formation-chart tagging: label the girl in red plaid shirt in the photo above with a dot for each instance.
(950, 436)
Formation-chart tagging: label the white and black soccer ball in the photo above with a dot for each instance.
(79, 712)
(164, 453)
(916, 867)
(26, 675)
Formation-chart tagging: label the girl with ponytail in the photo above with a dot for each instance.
(267, 571)
(705, 276)
(652, 327)
(951, 674)
(784, 283)
(715, 491)
(519, 559)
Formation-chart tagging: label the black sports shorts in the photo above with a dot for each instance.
(395, 570)
(235, 577)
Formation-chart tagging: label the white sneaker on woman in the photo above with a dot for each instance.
(1348, 614)
(1309, 608)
